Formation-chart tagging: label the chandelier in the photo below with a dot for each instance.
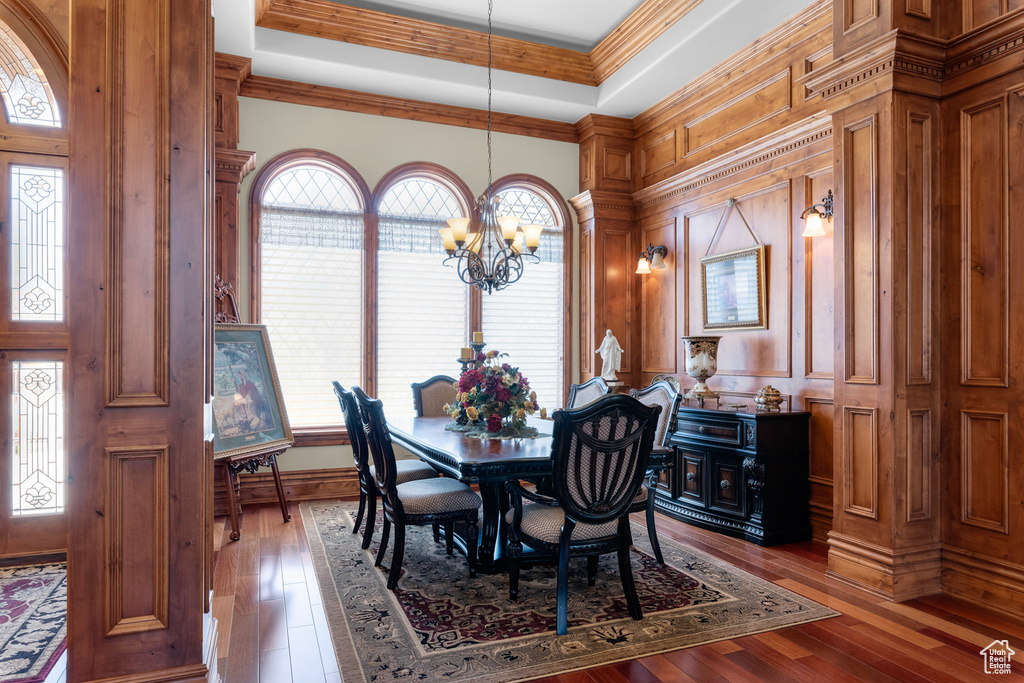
(489, 254)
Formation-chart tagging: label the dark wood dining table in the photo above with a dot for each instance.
(487, 463)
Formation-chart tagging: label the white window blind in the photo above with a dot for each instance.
(311, 242)
(526, 320)
(422, 304)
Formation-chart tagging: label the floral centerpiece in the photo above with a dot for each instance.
(493, 395)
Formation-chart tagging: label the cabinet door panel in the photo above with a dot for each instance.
(726, 486)
(692, 476)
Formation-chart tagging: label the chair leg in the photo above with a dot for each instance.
(397, 556)
(626, 574)
(562, 617)
(652, 531)
(592, 569)
(371, 517)
(449, 538)
(362, 509)
(514, 550)
(437, 533)
(471, 533)
(384, 535)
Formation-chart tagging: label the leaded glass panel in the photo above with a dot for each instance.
(38, 443)
(27, 96)
(37, 244)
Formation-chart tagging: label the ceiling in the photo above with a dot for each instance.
(552, 59)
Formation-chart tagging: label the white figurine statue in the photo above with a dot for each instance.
(611, 357)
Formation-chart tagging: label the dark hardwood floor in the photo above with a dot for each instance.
(272, 627)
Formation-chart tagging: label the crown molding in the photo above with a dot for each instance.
(279, 90)
(232, 67)
(639, 30)
(233, 165)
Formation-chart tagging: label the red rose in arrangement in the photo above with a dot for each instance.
(495, 392)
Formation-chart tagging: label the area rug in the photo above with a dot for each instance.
(441, 625)
(33, 621)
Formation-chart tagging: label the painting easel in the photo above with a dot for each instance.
(251, 461)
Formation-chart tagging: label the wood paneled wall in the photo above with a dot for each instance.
(139, 291)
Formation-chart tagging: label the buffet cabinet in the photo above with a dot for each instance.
(739, 473)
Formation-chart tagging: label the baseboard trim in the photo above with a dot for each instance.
(195, 673)
(299, 485)
(988, 580)
(895, 574)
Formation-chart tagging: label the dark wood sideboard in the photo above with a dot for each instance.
(740, 473)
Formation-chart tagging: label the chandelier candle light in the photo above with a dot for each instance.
(489, 255)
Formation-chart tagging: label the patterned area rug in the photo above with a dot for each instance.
(441, 625)
(33, 621)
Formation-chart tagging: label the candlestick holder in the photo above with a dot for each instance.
(478, 348)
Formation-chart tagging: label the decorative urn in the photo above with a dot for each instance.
(701, 364)
(768, 399)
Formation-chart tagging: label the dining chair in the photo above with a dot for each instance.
(671, 379)
(430, 397)
(586, 392)
(599, 460)
(659, 393)
(438, 500)
(405, 470)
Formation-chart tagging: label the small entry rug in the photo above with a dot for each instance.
(33, 621)
(441, 625)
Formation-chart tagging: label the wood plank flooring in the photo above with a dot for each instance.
(272, 627)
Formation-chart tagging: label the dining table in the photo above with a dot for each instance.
(488, 463)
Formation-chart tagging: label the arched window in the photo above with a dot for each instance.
(311, 267)
(27, 96)
(422, 307)
(528, 319)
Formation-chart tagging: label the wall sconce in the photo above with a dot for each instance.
(813, 227)
(653, 257)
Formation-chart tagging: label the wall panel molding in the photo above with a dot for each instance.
(919, 465)
(985, 470)
(136, 535)
(860, 218)
(812, 267)
(860, 461)
(919, 272)
(658, 335)
(658, 154)
(137, 356)
(765, 99)
(985, 317)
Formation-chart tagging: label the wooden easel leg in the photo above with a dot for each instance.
(280, 489)
(229, 484)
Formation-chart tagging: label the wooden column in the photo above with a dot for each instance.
(140, 189)
(609, 244)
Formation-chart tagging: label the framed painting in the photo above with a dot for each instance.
(248, 413)
(733, 290)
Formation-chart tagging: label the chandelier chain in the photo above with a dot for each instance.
(490, 8)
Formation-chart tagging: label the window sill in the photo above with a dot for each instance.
(320, 436)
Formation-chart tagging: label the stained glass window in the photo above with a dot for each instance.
(38, 415)
(311, 249)
(37, 244)
(527, 320)
(421, 304)
(26, 94)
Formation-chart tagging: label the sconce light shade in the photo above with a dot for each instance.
(658, 261)
(642, 267)
(653, 257)
(814, 226)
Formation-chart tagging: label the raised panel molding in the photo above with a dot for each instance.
(767, 98)
(136, 536)
(985, 471)
(816, 334)
(137, 355)
(586, 301)
(919, 8)
(919, 465)
(658, 154)
(658, 304)
(985, 322)
(585, 163)
(617, 165)
(618, 265)
(821, 469)
(858, 12)
(860, 461)
(919, 248)
(860, 177)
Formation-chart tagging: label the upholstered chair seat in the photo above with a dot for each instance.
(544, 524)
(437, 495)
(409, 470)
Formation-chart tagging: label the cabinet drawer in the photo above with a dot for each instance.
(692, 485)
(726, 485)
(710, 431)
